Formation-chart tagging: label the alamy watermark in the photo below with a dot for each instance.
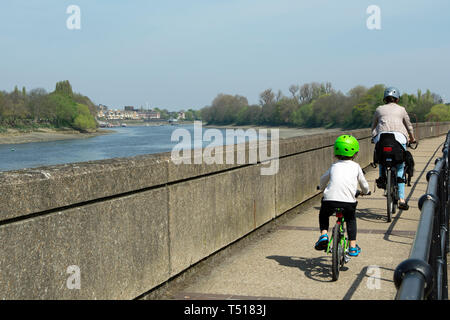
(186, 152)
(73, 22)
(74, 280)
(373, 22)
(374, 280)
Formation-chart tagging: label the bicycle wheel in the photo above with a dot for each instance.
(395, 198)
(344, 248)
(389, 193)
(336, 253)
(395, 190)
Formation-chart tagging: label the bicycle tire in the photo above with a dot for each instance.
(336, 253)
(343, 246)
(389, 193)
(395, 197)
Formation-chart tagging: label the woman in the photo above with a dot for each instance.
(392, 118)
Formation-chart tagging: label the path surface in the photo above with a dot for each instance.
(284, 265)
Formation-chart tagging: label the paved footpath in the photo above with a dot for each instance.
(284, 265)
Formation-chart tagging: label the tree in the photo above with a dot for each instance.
(63, 109)
(83, 120)
(224, 109)
(286, 107)
(439, 112)
(267, 97)
(302, 115)
(79, 98)
(305, 93)
(293, 90)
(64, 88)
(357, 92)
(189, 116)
(37, 104)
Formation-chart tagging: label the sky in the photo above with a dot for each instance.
(179, 54)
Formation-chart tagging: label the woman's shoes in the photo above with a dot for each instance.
(403, 205)
(381, 182)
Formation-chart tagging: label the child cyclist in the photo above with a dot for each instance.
(341, 182)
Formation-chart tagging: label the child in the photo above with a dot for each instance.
(341, 182)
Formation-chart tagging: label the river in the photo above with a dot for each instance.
(124, 142)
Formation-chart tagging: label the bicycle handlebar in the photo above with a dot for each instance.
(413, 145)
(358, 193)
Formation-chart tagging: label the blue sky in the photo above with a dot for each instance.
(180, 54)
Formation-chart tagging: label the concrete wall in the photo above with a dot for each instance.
(131, 224)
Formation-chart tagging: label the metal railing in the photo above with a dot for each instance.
(424, 274)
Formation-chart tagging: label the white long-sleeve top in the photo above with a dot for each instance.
(341, 181)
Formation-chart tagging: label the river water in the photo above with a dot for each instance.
(125, 142)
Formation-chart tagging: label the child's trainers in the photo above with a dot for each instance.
(322, 243)
(354, 251)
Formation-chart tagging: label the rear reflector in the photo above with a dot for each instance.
(387, 149)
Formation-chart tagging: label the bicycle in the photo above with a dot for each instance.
(390, 156)
(390, 162)
(338, 244)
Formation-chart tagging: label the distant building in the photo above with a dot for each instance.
(129, 108)
(114, 115)
(181, 115)
(102, 111)
(154, 115)
(129, 113)
(149, 115)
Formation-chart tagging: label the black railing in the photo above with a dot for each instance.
(424, 274)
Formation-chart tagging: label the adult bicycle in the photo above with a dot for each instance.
(391, 153)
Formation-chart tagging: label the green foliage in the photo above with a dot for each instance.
(83, 120)
(192, 115)
(224, 109)
(64, 88)
(64, 109)
(439, 112)
(61, 108)
(318, 105)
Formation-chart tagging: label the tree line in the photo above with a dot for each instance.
(38, 108)
(320, 105)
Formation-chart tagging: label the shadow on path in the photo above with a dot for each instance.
(399, 213)
(363, 275)
(318, 269)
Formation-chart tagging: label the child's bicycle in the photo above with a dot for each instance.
(338, 245)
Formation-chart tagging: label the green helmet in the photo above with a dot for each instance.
(346, 145)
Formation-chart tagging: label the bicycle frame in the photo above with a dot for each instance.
(390, 173)
(343, 239)
(338, 246)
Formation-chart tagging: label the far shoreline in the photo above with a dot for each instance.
(14, 136)
(284, 132)
(46, 135)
